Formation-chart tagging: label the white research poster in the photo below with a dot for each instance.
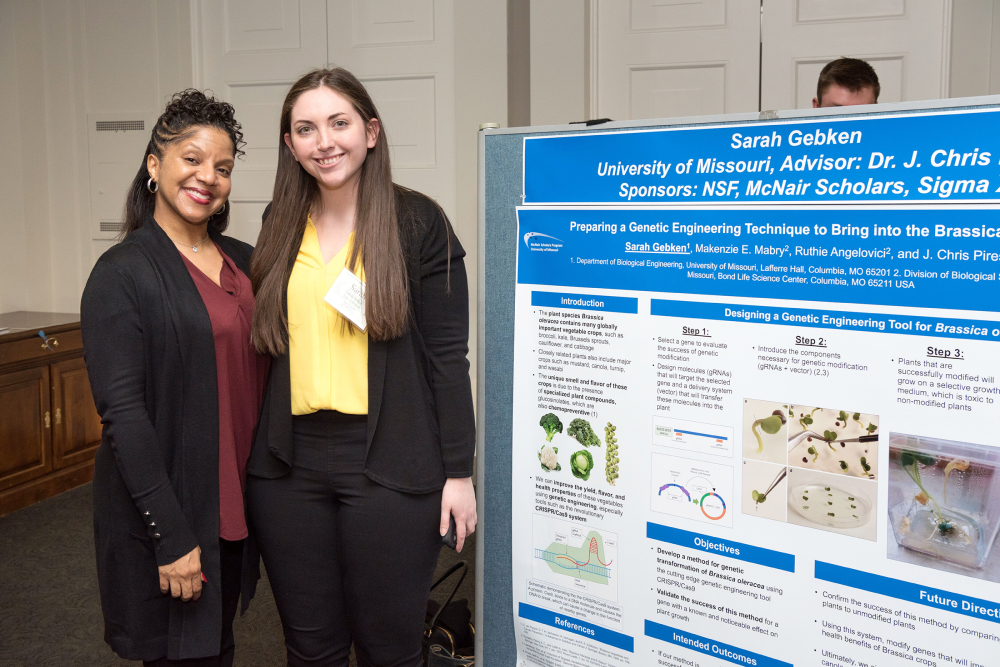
(755, 394)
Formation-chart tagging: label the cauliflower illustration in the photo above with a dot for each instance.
(549, 459)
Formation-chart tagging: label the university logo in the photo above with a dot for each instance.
(538, 242)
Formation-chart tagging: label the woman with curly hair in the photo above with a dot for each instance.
(166, 319)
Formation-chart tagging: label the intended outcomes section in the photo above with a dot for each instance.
(710, 647)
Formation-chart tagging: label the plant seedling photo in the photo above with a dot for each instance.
(833, 503)
(769, 425)
(836, 441)
(759, 497)
(765, 430)
(943, 504)
(764, 490)
(805, 419)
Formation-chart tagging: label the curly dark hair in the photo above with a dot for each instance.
(187, 111)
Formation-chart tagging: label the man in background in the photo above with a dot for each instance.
(846, 82)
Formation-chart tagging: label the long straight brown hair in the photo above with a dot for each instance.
(377, 238)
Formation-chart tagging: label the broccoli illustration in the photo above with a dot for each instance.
(581, 430)
(551, 424)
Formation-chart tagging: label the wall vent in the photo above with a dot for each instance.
(116, 143)
(120, 125)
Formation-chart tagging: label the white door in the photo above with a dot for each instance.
(251, 51)
(906, 42)
(403, 51)
(670, 58)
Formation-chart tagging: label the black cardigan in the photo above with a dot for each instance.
(421, 422)
(150, 355)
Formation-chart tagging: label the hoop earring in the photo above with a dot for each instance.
(221, 212)
(152, 185)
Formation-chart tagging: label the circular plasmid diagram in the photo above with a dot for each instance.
(716, 505)
(716, 508)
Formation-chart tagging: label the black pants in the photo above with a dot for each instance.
(231, 561)
(347, 559)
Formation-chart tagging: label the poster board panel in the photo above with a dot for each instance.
(705, 449)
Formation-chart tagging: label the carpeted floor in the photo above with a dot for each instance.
(50, 613)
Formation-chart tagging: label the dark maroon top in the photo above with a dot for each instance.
(241, 376)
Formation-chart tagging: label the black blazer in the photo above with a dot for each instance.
(150, 354)
(421, 422)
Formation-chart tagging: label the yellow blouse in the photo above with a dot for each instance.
(329, 365)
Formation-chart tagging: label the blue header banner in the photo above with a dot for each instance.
(727, 652)
(715, 545)
(935, 598)
(926, 257)
(915, 157)
(938, 327)
(610, 304)
(576, 626)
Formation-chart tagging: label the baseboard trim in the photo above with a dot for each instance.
(41, 488)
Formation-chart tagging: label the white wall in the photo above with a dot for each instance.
(12, 241)
(59, 61)
(25, 189)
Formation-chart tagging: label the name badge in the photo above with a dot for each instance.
(347, 295)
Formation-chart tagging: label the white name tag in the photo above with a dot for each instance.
(347, 295)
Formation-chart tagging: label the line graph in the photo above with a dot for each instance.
(564, 559)
(576, 557)
(568, 563)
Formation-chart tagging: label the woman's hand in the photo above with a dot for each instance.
(459, 499)
(182, 578)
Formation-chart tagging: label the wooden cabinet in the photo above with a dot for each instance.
(76, 426)
(49, 428)
(25, 439)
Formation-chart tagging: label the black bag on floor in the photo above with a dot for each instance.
(449, 635)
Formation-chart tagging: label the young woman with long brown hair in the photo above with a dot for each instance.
(364, 450)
